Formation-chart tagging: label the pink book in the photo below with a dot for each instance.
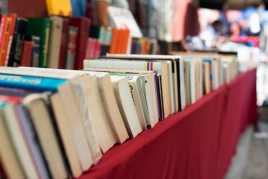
(3, 22)
(90, 48)
(97, 49)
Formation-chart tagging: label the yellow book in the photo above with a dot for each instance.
(59, 8)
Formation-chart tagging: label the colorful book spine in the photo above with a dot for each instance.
(35, 51)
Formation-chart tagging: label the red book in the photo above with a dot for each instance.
(64, 42)
(81, 44)
(26, 54)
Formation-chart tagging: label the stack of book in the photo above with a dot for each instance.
(58, 123)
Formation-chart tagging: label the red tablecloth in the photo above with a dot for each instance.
(197, 143)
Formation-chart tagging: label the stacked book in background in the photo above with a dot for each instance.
(58, 123)
(63, 43)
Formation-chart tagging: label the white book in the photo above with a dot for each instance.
(126, 105)
(158, 67)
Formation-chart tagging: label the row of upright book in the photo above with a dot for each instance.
(63, 43)
(57, 123)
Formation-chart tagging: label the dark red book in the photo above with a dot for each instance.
(26, 54)
(82, 24)
(64, 42)
(2, 171)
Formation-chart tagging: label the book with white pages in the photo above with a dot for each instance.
(78, 116)
(160, 67)
(126, 105)
(148, 88)
(172, 73)
(177, 71)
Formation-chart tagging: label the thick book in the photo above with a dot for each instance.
(59, 8)
(40, 27)
(55, 42)
(71, 47)
(17, 42)
(26, 57)
(37, 108)
(64, 43)
(83, 31)
(110, 105)
(137, 95)
(9, 159)
(126, 105)
(66, 92)
(17, 139)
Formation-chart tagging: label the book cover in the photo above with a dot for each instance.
(40, 27)
(90, 48)
(71, 48)
(17, 42)
(64, 43)
(83, 30)
(5, 40)
(54, 42)
(11, 34)
(26, 54)
(61, 8)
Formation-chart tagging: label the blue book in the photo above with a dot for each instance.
(31, 82)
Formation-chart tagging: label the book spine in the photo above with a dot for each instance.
(13, 43)
(2, 27)
(11, 34)
(5, 40)
(16, 56)
(71, 50)
(64, 41)
(26, 54)
(35, 51)
(45, 45)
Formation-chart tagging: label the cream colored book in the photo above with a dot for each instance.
(105, 135)
(55, 42)
(7, 152)
(66, 135)
(148, 89)
(72, 110)
(42, 122)
(11, 122)
(206, 78)
(172, 73)
(158, 67)
(126, 105)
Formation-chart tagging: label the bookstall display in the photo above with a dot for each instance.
(86, 101)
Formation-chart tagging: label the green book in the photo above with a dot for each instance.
(40, 27)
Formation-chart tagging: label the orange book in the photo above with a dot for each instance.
(125, 38)
(12, 28)
(5, 40)
(114, 41)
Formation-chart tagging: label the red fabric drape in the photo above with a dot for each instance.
(197, 143)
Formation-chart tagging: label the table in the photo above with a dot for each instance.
(197, 143)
